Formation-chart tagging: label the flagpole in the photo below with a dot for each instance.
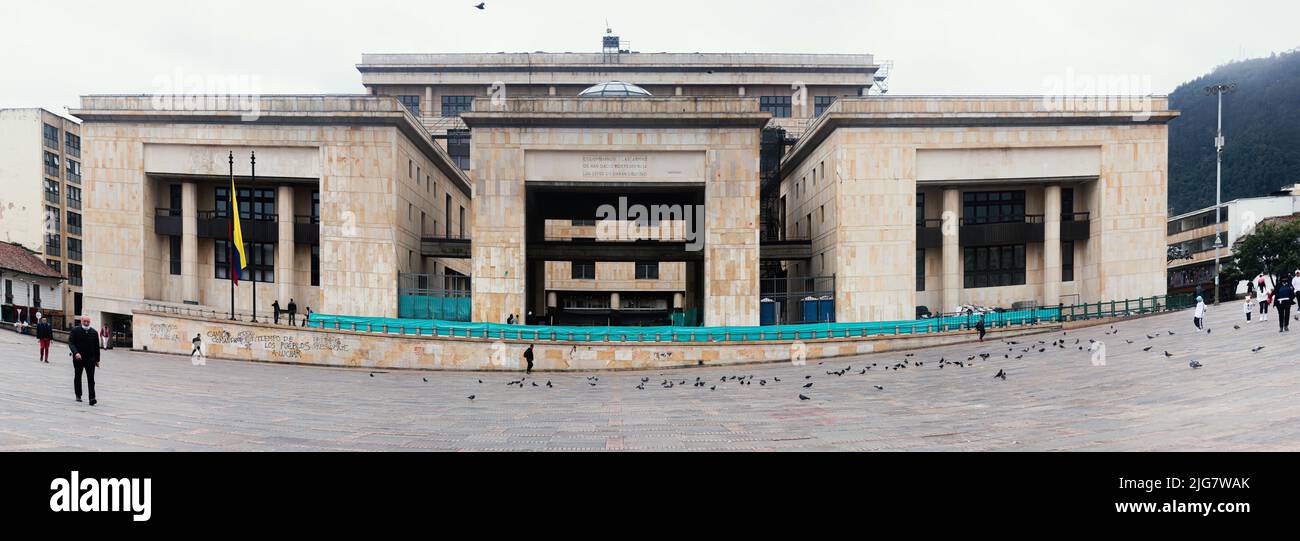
(252, 273)
(231, 226)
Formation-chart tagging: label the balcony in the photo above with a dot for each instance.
(306, 230)
(255, 227)
(783, 247)
(447, 246)
(1076, 226)
(929, 234)
(167, 221)
(1002, 231)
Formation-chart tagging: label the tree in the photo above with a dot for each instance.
(1272, 249)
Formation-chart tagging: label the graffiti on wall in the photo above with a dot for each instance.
(280, 346)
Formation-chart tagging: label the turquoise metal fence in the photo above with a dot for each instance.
(947, 323)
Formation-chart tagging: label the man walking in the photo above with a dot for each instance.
(275, 309)
(528, 357)
(293, 311)
(83, 342)
(980, 327)
(44, 334)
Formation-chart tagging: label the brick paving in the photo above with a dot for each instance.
(1056, 400)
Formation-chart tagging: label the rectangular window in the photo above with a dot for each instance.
(72, 144)
(779, 106)
(647, 270)
(412, 104)
(453, 106)
(315, 206)
(979, 208)
(51, 136)
(74, 275)
(74, 172)
(74, 224)
(462, 222)
(920, 270)
(1067, 204)
(254, 203)
(174, 196)
(55, 265)
(583, 270)
(821, 103)
(458, 148)
(261, 261)
(1067, 262)
(74, 198)
(994, 266)
(583, 223)
(315, 265)
(53, 244)
(51, 165)
(920, 210)
(74, 249)
(446, 209)
(53, 220)
(175, 255)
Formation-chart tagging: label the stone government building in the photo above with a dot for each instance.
(439, 184)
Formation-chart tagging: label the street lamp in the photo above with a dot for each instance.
(1218, 90)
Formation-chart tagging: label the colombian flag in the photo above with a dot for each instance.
(236, 233)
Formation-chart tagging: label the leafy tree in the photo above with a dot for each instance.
(1272, 248)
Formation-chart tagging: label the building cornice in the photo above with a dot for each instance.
(347, 110)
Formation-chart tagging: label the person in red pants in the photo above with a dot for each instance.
(44, 335)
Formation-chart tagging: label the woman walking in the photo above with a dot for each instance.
(1199, 317)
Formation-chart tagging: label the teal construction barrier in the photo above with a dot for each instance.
(434, 308)
(457, 329)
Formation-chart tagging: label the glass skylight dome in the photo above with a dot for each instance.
(615, 89)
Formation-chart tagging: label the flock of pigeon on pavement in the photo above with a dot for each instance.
(1015, 350)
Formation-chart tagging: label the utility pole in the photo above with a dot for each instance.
(1218, 90)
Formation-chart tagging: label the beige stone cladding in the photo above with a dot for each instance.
(722, 133)
(166, 333)
(374, 166)
(866, 160)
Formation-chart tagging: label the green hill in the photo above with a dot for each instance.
(1261, 122)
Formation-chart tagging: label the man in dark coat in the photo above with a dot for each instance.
(83, 342)
(293, 311)
(528, 357)
(275, 309)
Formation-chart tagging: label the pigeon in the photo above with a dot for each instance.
(808, 386)
(481, 5)
(548, 384)
(1148, 348)
(713, 388)
(1195, 364)
(1257, 350)
(471, 397)
(426, 380)
(1002, 375)
(1168, 355)
(480, 381)
(879, 388)
(372, 374)
(1236, 327)
(802, 397)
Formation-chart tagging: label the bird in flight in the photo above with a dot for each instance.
(481, 5)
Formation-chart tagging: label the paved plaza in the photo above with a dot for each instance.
(1055, 400)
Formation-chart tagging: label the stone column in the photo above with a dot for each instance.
(284, 263)
(731, 268)
(499, 232)
(1052, 245)
(614, 303)
(952, 259)
(190, 242)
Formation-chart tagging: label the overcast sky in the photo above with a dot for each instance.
(55, 51)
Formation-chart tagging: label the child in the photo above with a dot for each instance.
(1249, 308)
(1199, 317)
